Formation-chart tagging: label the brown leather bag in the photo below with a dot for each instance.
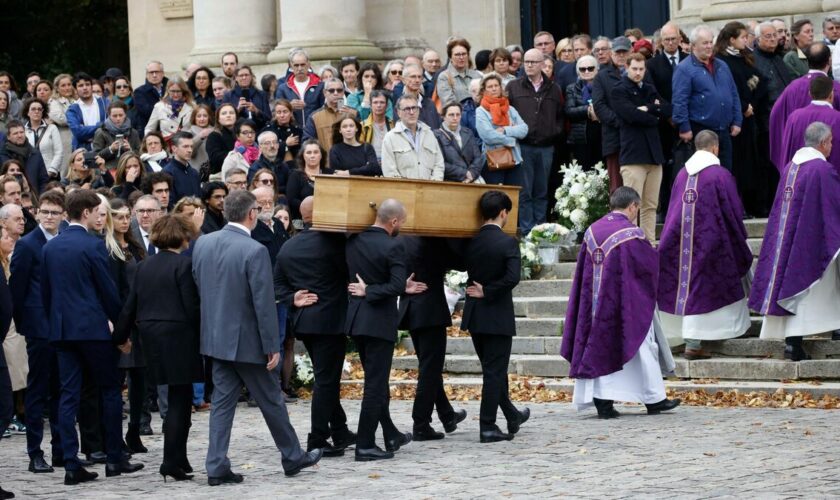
(500, 158)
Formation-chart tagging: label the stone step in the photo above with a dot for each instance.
(570, 254)
(560, 270)
(553, 325)
(520, 345)
(552, 365)
(540, 307)
(755, 228)
(567, 385)
(543, 288)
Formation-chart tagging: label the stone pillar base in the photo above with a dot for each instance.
(327, 50)
(212, 58)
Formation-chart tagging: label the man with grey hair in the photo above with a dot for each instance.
(431, 65)
(705, 231)
(302, 88)
(705, 96)
(420, 155)
(319, 124)
(149, 94)
(601, 49)
(272, 151)
(831, 30)
(239, 330)
(608, 77)
(412, 76)
(377, 276)
(796, 286)
(11, 217)
(782, 35)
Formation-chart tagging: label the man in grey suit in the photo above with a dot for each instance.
(239, 331)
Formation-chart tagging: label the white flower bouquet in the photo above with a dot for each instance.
(304, 374)
(583, 197)
(550, 234)
(456, 280)
(530, 258)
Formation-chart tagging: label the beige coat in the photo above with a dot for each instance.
(160, 119)
(400, 159)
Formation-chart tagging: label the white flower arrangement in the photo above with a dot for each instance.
(456, 280)
(550, 234)
(583, 197)
(530, 258)
(304, 374)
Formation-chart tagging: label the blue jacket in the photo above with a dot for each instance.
(251, 94)
(83, 134)
(468, 107)
(25, 284)
(313, 96)
(492, 139)
(185, 181)
(710, 100)
(86, 286)
(145, 98)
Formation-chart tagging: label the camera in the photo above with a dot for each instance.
(90, 159)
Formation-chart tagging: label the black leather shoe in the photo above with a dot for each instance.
(426, 433)
(796, 353)
(124, 467)
(493, 436)
(59, 462)
(38, 465)
(6, 494)
(399, 441)
(524, 415)
(664, 405)
(451, 425)
(311, 458)
(229, 478)
(371, 454)
(314, 443)
(146, 430)
(81, 475)
(605, 408)
(176, 473)
(97, 457)
(132, 440)
(344, 439)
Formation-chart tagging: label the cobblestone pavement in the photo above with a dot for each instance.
(692, 452)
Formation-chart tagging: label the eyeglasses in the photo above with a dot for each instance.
(257, 208)
(566, 51)
(302, 65)
(147, 211)
(586, 69)
(269, 143)
(154, 72)
(51, 213)
(122, 86)
(237, 183)
(267, 182)
(334, 91)
(528, 63)
(246, 132)
(394, 72)
(460, 54)
(410, 109)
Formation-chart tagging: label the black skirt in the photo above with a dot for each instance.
(172, 351)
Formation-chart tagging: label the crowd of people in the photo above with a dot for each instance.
(147, 190)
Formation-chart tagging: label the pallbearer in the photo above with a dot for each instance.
(609, 336)
(704, 258)
(796, 284)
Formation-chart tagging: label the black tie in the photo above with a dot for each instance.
(673, 61)
(152, 249)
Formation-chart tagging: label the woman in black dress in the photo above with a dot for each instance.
(350, 156)
(164, 305)
(311, 162)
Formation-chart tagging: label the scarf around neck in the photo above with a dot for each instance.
(499, 108)
(251, 153)
(19, 152)
(113, 129)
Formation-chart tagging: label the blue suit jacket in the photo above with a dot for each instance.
(83, 134)
(77, 287)
(25, 284)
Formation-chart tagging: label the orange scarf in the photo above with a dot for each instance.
(498, 108)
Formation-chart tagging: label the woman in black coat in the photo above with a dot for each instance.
(731, 48)
(585, 133)
(164, 304)
(221, 141)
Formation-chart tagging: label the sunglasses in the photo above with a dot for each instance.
(587, 69)
(267, 182)
(394, 72)
(122, 86)
(335, 91)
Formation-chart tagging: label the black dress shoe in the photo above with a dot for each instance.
(605, 408)
(311, 458)
(451, 425)
(6, 494)
(664, 405)
(314, 443)
(494, 435)
(38, 465)
(229, 478)
(176, 473)
(59, 462)
(97, 457)
(524, 415)
(343, 439)
(426, 433)
(371, 454)
(81, 475)
(132, 440)
(146, 430)
(124, 467)
(397, 442)
(796, 353)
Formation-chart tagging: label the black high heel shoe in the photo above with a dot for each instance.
(176, 473)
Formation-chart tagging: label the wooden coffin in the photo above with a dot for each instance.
(445, 209)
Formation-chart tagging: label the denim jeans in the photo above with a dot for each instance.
(533, 199)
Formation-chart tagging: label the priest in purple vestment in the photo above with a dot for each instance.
(820, 110)
(796, 96)
(610, 339)
(796, 286)
(704, 258)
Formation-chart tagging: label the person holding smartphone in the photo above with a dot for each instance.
(249, 101)
(116, 136)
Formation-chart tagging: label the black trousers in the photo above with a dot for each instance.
(136, 394)
(327, 355)
(176, 429)
(430, 347)
(376, 356)
(7, 408)
(42, 395)
(494, 353)
(91, 430)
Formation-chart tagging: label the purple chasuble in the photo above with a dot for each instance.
(703, 251)
(613, 297)
(795, 96)
(793, 138)
(803, 235)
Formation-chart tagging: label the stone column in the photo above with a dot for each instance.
(724, 10)
(247, 27)
(328, 31)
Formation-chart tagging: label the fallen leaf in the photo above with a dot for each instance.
(374, 476)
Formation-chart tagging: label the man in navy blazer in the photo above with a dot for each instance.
(31, 321)
(7, 407)
(83, 302)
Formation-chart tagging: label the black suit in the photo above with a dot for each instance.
(314, 261)
(639, 133)
(164, 305)
(272, 238)
(492, 260)
(426, 317)
(372, 322)
(661, 73)
(6, 405)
